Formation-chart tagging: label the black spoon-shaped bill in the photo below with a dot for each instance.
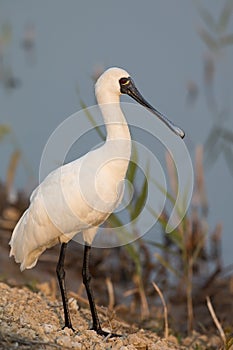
(128, 87)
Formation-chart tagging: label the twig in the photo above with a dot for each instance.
(130, 292)
(110, 293)
(164, 308)
(145, 312)
(216, 321)
(85, 301)
(172, 173)
(189, 295)
(212, 277)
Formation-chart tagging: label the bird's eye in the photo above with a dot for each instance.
(124, 81)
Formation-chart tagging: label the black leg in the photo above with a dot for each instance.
(61, 279)
(86, 281)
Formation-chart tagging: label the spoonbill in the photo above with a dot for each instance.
(79, 196)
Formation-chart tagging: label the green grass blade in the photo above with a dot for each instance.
(162, 247)
(226, 40)
(132, 169)
(92, 120)
(4, 130)
(206, 17)
(225, 15)
(163, 191)
(167, 265)
(210, 42)
(140, 201)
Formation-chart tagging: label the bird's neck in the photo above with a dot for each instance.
(115, 122)
(118, 141)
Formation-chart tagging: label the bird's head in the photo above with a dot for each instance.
(116, 81)
(109, 81)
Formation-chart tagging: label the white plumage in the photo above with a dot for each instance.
(79, 196)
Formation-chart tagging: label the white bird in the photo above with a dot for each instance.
(79, 196)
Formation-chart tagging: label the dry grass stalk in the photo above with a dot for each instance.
(130, 292)
(11, 170)
(172, 173)
(85, 301)
(189, 295)
(216, 243)
(53, 284)
(164, 308)
(199, 196)
(81, 288)
(110, 293)
(209, 67)
(145, 312)
(216, 321)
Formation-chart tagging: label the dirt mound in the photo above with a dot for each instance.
(32, 320)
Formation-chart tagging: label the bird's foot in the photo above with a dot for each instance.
(69, 326)
(103, 333)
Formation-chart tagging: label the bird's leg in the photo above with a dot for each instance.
(86, 281)
(61, 279)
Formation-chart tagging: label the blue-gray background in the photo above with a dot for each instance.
(156, 41)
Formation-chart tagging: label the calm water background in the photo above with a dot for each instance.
(156, 41)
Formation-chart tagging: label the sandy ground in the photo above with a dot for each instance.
(30, 320)
(31, 313)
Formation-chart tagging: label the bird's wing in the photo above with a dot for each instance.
(41, 226)
(73, 198)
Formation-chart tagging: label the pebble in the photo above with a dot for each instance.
(49, 328)
(68, 342)
(73, 304)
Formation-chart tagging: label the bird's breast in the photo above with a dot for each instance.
(102, 187)
(85, 192)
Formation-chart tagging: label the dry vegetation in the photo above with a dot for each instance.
(31, 314)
